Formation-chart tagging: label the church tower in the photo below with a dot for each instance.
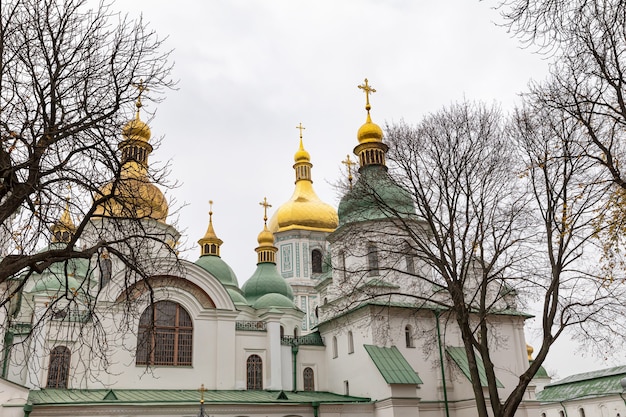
(300, 228)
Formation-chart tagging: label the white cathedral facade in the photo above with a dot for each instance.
(293, 340)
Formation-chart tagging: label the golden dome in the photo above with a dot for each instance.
(529, 351)
(136, 130)
(304, 210)
(301, 154)
(134, 197)
(265, 238)
(370, 131)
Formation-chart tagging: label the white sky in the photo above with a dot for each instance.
(250, 71)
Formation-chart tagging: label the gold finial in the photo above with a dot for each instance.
(301, 129)
(202, 390)
(210, 211)
(349, 163)
(265, 205)
(141, 87)
(368, 90)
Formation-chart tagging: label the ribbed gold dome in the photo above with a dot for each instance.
(304, 210)
(134, 197)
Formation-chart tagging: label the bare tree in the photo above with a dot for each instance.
(504, 214)
(75, 202)
(461, 171)
(587, 43)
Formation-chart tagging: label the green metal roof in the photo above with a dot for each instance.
(459, 356)
(379, 282)
(70, 397)
(588, 384)
(265, 280)
(216, 266)
(392, 365)
(375, 196)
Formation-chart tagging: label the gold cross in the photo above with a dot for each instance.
(348, 163)
(202, 390)
(265, 205)
(141, 87)
(301, 129)
(210, 208)
(368, 90)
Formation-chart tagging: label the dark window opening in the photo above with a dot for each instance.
(316, 261)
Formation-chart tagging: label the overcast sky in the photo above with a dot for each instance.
(250, 71)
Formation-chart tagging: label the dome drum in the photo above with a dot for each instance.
(371, 153)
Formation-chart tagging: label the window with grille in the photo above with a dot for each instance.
(254, 366)
(308, 379)
(165, 335)
(59, 368)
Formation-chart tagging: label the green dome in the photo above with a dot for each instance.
(53, 278)
(266, 280)
(273, 300)
(375, 196)
(237, 297)
(216, 266)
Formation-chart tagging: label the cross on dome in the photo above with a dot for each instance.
(368, 90)
(141, 87)
(265, 205)
(349, 164)
(301, 129)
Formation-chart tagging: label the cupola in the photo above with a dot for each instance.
(304, 210)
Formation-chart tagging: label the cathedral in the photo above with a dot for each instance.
(309, 334)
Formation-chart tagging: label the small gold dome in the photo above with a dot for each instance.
(301, 154)
(370, 132)
(266, 238)
(135, 197)
(529, 351)
(136, 130)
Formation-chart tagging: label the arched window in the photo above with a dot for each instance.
(581, 412)
(254, 366)
(295, 331)
(335, 347)
(316, 261)
(543, 414)
(165, 335)
(372, 259)
(561, 413)
(309, 379)
(350, 342)
(59, 367)
(282, 332)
